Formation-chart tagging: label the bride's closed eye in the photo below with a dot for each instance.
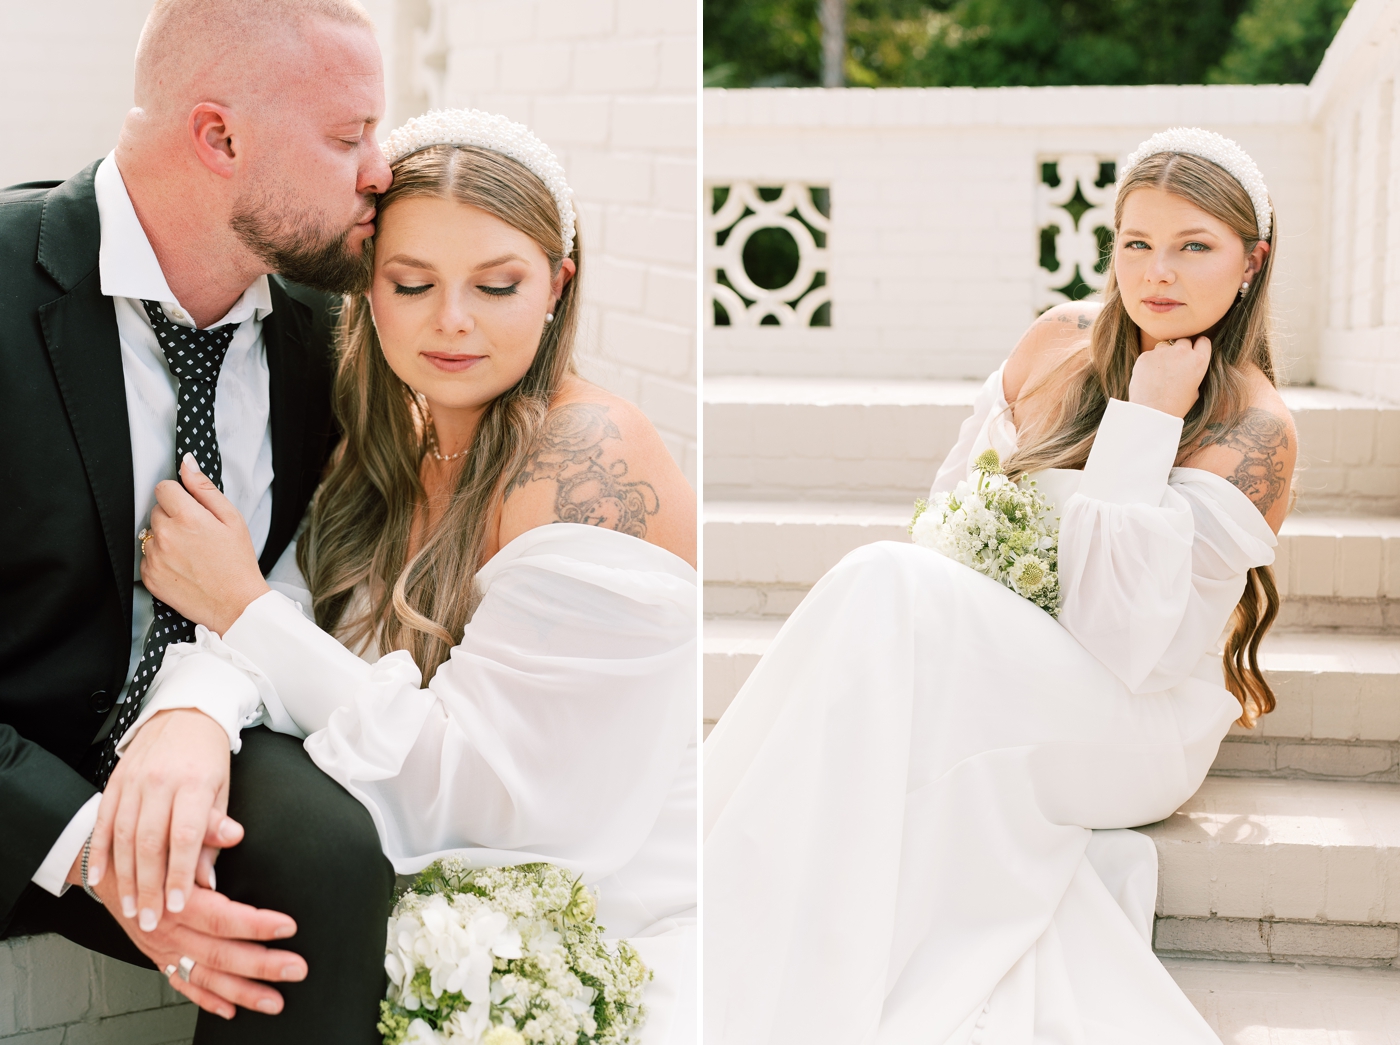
(498, 292)
(411, 291)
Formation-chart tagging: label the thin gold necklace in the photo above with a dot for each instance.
(431, 432)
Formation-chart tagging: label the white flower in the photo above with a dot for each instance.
(421, 1033)
(503, 1035)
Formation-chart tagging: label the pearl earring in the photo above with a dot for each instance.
(1243, 287)
(549, 317)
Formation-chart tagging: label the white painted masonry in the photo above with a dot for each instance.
(611, 85)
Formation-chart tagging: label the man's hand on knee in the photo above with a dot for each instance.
(162, 819)
(216, 933)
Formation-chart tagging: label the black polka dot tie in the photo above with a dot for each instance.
(194, 357)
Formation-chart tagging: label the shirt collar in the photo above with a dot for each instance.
(127, 265)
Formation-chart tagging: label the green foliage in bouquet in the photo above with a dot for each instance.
(997, 526)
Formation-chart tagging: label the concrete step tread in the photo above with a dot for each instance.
(810, 513)
(814, 513)
(824, 391)
(836, 391)
(1294, 651)
(1256, 1003)
(1237, 811)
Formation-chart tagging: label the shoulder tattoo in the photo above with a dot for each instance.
(1261, 438)
(1080, 321)
(570, 451)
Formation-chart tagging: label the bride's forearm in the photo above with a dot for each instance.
(312, 673)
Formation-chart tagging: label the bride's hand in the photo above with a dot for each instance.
(199, 558)
(1169, 377)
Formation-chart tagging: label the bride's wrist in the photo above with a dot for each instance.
(231, 608)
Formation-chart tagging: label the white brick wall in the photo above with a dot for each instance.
(1354, 104)
(934, 235)
(611, 86)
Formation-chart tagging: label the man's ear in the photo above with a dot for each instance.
(211, 134)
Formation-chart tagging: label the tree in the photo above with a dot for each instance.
(1280, 41)
(985, 43)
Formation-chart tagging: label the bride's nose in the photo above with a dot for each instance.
(454, 317)
(1159, 268)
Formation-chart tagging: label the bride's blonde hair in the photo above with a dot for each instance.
(363, 512)
(1069, 403)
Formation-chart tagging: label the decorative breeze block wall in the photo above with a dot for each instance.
(766, 255)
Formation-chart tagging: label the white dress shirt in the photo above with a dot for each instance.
(130, 273)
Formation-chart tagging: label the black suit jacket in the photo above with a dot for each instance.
(67, 550)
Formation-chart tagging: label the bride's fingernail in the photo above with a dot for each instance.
(212, 886)
(175, 901)
(269, 1006)
(148, 920)
(128, 907)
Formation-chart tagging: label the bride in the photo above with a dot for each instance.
(914, 807)
(503, 551)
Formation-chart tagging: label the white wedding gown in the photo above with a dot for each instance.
(562, 729)
(913, 808)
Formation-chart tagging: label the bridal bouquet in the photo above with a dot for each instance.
(999, 527)
(506, 956)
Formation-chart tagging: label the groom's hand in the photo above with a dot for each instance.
(217, 934)
(161, 820)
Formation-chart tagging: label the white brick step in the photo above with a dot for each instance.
(761, 557)
(1281, 871)
(54, 992)
(1338, 714)
(823, 438)
(1248, 1003)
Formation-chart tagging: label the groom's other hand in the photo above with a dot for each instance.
(162, 817)
(217, 934)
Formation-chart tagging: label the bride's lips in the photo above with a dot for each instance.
(450, 363)
(1162, 304)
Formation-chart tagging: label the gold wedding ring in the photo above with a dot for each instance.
(144, 536)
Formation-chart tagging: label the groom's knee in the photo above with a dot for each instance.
(309, 849)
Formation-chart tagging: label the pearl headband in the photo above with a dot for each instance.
(494, 133)
(1222, 152)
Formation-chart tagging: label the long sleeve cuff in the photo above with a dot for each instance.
(206, 676)
(1132, 455)
(52, 875)
(288, 649)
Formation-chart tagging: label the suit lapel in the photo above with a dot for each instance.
(284, 339)
(80, 332)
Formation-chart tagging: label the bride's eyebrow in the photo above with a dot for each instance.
(404, 259)
(499, 261)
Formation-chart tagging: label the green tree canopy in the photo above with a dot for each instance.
(994, 43)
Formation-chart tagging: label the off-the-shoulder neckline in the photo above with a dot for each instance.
(551, 533)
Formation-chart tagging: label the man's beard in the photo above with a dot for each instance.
(301, 251)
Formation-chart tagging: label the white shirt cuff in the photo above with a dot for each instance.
(204, 675)
(52, 875)
(1132, 455)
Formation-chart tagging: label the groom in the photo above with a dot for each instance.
(139, 319)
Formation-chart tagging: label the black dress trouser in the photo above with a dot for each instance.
(309, 850)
